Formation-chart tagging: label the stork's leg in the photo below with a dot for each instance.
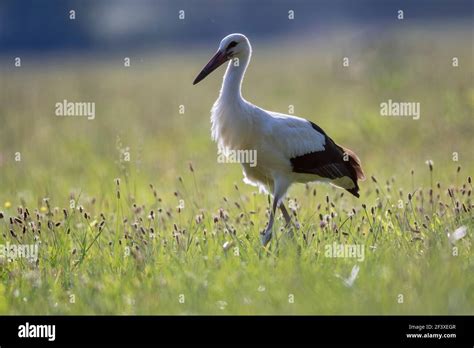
(280, 186)
(267, 235)
(288, 221)
(286, 216)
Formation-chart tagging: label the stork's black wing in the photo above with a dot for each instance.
(334, 162)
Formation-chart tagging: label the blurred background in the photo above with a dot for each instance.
(116, 25)
(296, 62)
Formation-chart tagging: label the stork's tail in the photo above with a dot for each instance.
(354, 191)
(356, 166)
(355, 163)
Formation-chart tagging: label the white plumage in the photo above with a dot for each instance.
(290, 149)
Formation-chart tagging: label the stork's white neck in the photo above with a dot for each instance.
(230, 122)
(232, 83)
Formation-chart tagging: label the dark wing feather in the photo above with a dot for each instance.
(333, 162)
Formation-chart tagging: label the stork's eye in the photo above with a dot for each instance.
(232, 44)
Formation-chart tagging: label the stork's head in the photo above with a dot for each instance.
(232, 46)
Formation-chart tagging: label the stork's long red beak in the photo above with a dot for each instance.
(215, 62)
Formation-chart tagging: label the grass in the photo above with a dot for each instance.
(174, 232)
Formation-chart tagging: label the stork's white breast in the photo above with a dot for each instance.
(275, 137)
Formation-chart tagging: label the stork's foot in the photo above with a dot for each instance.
(266, 236)
(291, 229)
(292, 225)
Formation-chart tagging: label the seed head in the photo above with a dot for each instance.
(430, 164)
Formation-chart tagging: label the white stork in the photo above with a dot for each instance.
(290, 149)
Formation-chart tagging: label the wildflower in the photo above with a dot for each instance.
(292, 205)
(227, 246)
(221, 304)
(349, 281)
(457, 234)
(430, 164)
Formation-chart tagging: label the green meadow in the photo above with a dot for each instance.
(133, 214)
